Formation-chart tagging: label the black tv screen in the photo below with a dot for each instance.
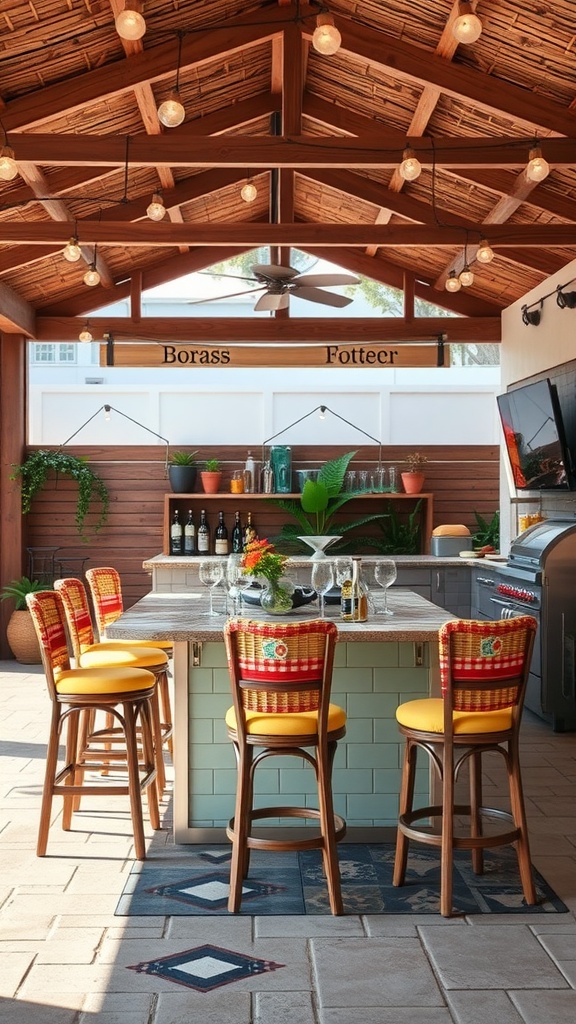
(534, 437)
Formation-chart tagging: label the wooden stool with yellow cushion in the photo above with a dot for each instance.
(126, 693)
(484, 667)
(112, 653)
(106, 592)
(281, 677)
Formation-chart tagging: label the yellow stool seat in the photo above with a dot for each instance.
(108, 681)
(427, 715)
(301, 723)
(110, 653)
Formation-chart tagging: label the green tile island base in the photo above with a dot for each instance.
(378, 664)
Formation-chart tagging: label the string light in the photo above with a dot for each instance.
(171, 112)
(453, 283)
(85, 334)
(467, 27)
(410, 168)
(326, 38)
(130, 24)
(485, 254)
(466, 277)
(249, 191)
(538, 168)
(156, 210)
(8, 165)
(72, 251)
(92, 277)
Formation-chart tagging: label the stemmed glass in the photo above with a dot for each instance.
(237, 581)
(385, 574)
(322, 580)
(211, 573)
(342, 570)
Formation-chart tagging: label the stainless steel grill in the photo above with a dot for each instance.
(540, 579)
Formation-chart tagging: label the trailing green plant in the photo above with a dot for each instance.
(400, 536)
(319, 502)
(17, 589)
(487, 532)
(33, 474)
(212, 466)
(183, 458)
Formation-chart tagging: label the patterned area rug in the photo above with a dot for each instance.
(194, 882)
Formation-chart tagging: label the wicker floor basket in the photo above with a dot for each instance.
(22, 638)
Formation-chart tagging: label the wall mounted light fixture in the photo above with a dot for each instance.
(532, 317)
(566, 300)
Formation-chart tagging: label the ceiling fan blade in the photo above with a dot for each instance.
(218, 298)
(325, 280)
(272, 302)
(316, 295)
(234, 277)
(274, 273)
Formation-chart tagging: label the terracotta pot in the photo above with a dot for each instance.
(22, 639)
(412, 482)
(210, 481)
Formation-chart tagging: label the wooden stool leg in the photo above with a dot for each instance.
(134, 780)
(76, 773)
(447, 848)
(49, 776)
(166, 711)
(157, 734)
(326, 806)
(475, 768)
(149, 762)
(241, 829)
(405, 806)
(519, 814)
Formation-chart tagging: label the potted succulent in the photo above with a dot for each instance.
(182, 472)
(413, 477)
(34, 471)
(20, 631)
(318, 504)
(211, 476)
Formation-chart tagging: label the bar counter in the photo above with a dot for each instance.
(379, 664)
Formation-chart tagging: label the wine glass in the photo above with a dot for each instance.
(385, 574)
(211, 573)
(237, 580)
(342, 570)
(322, 580)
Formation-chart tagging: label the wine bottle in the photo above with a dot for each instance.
(221, 545)
(346, 599)
(237, 535)
(176, 534)
(203, 539)
(249, 531)
(354, 596)
(190, 535)
(249, 474)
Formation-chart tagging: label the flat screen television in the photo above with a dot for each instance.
(534, 436)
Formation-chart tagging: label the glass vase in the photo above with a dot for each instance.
(276, 598)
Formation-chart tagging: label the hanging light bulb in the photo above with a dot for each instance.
(485, 253)
(156, 210)
(410, 168)
(249, 191)
(171, 112)
(130, 24)
(538, 168)
(467, 27)
(85, 334)
(453, 283)
(92, 277)
(466, 277)
(8, 165)
(107, 413)
(72, 251)
(326, 38)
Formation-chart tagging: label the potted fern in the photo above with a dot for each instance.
(20, 632)
(182, 472)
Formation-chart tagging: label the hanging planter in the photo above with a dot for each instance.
(33, 474)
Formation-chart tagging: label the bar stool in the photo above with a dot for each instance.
(281, 677)
(484, 668)
(113, 653)
(124, 693)
(106, 592)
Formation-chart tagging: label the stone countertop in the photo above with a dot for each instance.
(405, 561)
(183, 617)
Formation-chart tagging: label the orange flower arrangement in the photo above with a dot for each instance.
(261, 559)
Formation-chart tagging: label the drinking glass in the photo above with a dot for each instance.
(211, 573)
(322, 580)
(363, 480)
(350, 480)
(385, 574)
(342, 570)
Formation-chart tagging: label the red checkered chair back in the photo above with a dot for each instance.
(47, 611)
(80, 627)
(106, 589)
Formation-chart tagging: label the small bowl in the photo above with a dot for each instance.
(470, 554)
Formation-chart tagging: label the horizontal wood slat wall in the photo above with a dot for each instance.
(462, 480)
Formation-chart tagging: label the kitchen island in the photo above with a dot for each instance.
(378, 664)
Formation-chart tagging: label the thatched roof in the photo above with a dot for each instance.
(321, 136)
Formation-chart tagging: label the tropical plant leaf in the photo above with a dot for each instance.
(315, 496)
(332, 473)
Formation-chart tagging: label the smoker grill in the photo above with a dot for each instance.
(539, 579)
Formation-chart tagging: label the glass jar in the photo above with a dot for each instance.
(237, 482)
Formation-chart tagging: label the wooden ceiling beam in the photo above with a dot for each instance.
(298, 330)
(17, 316)
(251, 234)
(378, 150)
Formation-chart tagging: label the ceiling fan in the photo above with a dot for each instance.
(279, 283)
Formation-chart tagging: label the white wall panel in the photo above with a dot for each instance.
(443, 418)
(360, 408)
(212, 417)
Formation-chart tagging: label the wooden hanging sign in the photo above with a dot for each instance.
(355, 356)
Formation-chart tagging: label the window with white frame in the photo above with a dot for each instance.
(48, 352)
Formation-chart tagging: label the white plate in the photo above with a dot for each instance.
(496, 558)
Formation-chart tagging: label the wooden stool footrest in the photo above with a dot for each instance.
(433, 837)
(314, 842)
